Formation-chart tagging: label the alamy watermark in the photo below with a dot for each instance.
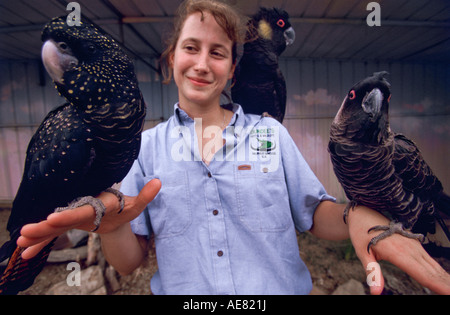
(374, 17)
(374, 276)
(74, 277)
(74, 18)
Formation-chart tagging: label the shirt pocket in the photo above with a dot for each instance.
(262, 199)
(170, 211)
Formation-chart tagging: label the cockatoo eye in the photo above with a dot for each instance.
(352, 95)
(281, 23)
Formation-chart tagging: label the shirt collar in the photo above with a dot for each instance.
(181, 117)
(238, 119)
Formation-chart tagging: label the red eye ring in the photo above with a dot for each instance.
(352, 94)
(389, 98)
(281, 23)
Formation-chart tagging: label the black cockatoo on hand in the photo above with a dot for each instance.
(82, 147)
(383, 170)
(259, 85)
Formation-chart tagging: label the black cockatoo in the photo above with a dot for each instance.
(259, 86)
(82, 147)
(383, 170)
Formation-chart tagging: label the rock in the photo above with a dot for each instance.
(396, 282)
(77, 237)
(317, 291)
(110, 275)
(91, 282)
(94, 251)
(70, 239)
(68, 255)
(351, 287)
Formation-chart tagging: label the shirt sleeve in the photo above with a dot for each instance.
(304, 188)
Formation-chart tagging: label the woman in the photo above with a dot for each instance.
(234, 189)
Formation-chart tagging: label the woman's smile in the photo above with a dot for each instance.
(198, 81)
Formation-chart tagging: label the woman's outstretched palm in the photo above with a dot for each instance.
(35, 236)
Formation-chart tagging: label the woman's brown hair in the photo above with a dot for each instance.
(227, 18)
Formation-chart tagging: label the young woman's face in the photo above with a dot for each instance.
(202, 62)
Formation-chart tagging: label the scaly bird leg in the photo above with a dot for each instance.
(394, 227)
(97, 204)
(119, 196)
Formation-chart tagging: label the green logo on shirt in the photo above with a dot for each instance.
(263, 141)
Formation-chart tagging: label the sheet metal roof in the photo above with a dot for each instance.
(411, 30)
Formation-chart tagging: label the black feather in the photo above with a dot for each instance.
(259, 85)
(82, 147)
(380, 169)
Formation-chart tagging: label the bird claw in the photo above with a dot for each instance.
(97, 204)
(394, 227)
(266, 114)
(350, 206)
(119, 196)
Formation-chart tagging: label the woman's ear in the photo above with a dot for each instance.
(171, 60)
(233, 68)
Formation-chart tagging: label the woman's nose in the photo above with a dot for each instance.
(202, 64)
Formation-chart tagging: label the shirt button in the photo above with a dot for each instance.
(209, 174)
(220, 253)
(216, 212)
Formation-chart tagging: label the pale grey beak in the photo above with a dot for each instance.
(289, 35)
(57, 59)
(372, 102)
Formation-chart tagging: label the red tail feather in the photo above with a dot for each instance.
(21, 273)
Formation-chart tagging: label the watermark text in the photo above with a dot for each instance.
(374, 17)
(374, 276)
(74, 18)
(74, 277)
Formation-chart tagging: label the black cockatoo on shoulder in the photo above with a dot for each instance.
(82, 147)
(383, 170)
(259, 85)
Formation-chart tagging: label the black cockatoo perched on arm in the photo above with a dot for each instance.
(383, 170)
(259, 85)
(82, 147)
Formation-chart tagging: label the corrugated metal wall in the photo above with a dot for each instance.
(419, 109)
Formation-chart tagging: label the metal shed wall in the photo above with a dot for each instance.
(419, 109)
(316, 88)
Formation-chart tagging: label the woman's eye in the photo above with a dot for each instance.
(217, 54)
(190, 48)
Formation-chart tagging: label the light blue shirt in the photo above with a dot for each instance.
(228, 227)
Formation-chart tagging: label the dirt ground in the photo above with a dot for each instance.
(330, 263)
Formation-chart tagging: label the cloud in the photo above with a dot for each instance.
(319, 97)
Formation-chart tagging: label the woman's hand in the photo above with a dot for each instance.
(407, 254)
(36, 236)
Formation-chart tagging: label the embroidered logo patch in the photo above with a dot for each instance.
(263, 141)
(264, 147)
